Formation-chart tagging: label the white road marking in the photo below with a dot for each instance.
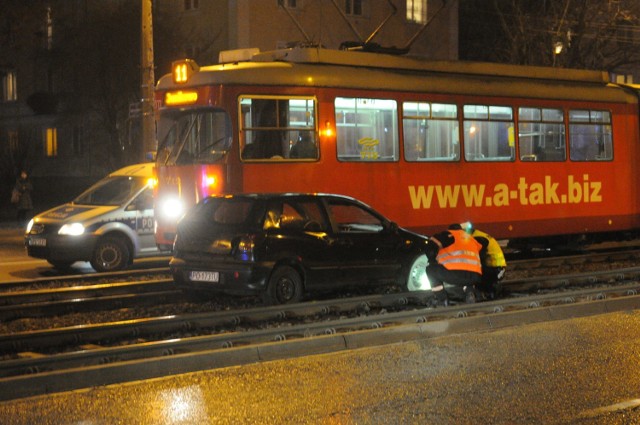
(625, 405)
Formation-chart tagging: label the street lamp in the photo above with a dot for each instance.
(558, 46)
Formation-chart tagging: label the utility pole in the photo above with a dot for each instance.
(148, 82)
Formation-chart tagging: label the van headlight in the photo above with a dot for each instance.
(29, 226)
(71, 229)
(172, 208)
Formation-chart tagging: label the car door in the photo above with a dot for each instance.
(298, 230)
(143, 205)
(364, 244)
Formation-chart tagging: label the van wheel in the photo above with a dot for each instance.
(111, 254)
(416, 277)
(284, 287)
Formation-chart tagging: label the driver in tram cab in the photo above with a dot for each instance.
(494, 265)
(454, 258)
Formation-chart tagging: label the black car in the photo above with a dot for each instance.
(283, 246)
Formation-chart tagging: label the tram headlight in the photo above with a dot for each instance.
(71, 229)
(172, 208)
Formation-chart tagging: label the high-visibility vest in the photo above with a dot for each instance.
(462, 254)
(495, 256)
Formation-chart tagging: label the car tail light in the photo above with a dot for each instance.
(244, 249)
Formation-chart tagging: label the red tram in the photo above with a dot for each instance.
(523, 152)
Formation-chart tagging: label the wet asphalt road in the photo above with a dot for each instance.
(579, 371)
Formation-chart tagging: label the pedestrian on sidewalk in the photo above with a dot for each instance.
(24, 204)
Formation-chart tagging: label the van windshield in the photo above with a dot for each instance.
(113, 190)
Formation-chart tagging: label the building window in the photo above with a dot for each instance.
(78, 148)
(51, 142)
(9, 86)
(353, 7)
(417, 11)
(13, 141)
(191, 4)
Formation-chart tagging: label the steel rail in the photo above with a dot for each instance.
(51, 302)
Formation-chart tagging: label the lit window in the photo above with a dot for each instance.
(417, 11)
(541, 134)
(51, 142)
(9, 86)
(366, 129)
(353, 7)
(430, 131)
(590, 135)
(488, 133)
(278, 128)
(49, 29)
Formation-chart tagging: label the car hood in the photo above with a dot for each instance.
(71, 212)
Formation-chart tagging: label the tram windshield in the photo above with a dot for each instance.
(193, 137)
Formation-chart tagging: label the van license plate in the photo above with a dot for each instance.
(199, 276)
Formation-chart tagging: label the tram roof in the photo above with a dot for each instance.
(319, 67)
(318, 55)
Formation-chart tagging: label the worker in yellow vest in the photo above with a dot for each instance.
(493, 262)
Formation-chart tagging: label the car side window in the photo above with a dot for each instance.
(353, 218)
(292, 215)
(231, 212)
(145, 200)
(291, 218)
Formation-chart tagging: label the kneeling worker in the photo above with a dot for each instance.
(454, 258)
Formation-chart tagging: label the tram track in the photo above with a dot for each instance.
(106, 296)
(39, 360)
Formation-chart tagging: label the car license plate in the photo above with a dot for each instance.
(37, 242)
(200, 276)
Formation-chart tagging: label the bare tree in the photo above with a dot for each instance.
(589, 34)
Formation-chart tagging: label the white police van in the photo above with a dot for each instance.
(109, 224)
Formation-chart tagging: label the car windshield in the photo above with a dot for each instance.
(113, 190)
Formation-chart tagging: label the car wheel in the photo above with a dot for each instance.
(284, 287)
(416, 279)
(111, 254)
(61, 265)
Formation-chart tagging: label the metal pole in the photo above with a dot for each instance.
(148, 82)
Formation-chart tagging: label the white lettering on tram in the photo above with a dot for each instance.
(547, 192)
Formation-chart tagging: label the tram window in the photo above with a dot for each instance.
(541, 134)
(366, 129)
(193, 137)
(278, 128)
(430, 132)
(590, 135)
(488, 133)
